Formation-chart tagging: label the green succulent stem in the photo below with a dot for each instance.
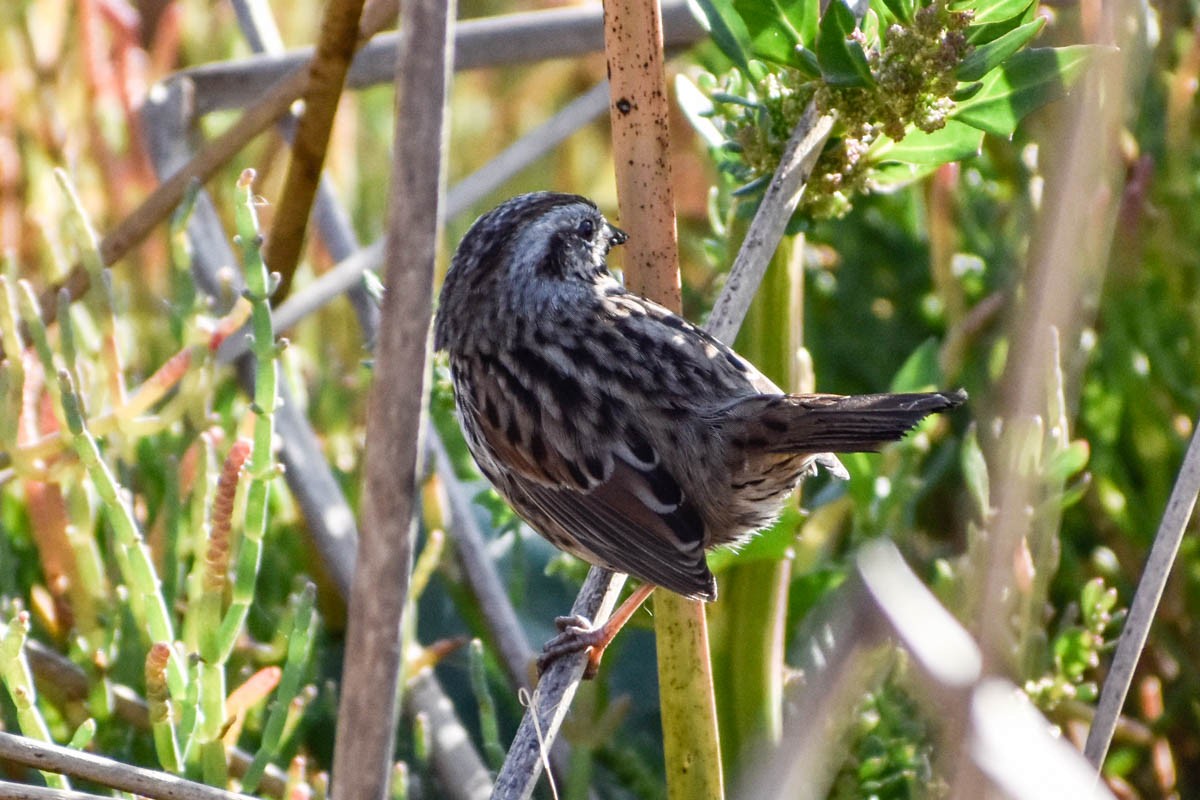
(133, 556)
(18, 679)
(300, 644)
(266, 379)
(488, 724)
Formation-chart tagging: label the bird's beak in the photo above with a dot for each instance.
(616, 236)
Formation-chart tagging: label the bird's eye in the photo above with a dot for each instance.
(586, 229)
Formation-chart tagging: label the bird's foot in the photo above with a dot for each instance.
(576, 634)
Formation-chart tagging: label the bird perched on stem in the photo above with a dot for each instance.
(621, 432)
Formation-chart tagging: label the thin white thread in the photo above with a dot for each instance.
(526, 700)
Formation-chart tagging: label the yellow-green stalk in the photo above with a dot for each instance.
(263, 470)
(304, 627)
(493, 751)
(17, 678)
(133, 557)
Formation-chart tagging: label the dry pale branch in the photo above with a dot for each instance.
(489, 42)
(327, 77)
(78, 764)
(769, 224)
(396, 407)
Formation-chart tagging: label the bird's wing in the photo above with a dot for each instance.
(605, 484)
(658, 543)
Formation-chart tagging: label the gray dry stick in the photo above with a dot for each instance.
(1145, 603)
(769, 223)
(145, 782)
(362, 756)
(488, 42)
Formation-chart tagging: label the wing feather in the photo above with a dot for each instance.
(623, 533)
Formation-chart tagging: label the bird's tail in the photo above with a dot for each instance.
(826, 423)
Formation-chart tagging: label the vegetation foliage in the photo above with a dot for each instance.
(147, 539)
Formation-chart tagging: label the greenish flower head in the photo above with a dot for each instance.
(913, 85)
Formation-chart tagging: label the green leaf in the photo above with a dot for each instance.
(1068, 461)
(996, 24)
(920, 371)
(989, 11)
(808, 22)
(727, 30)
(954, 142)
(896, 175)
(975, 474)
(842, 60)
(772, 37)
(1026, 82)
(806, 62)
(902, 10)
(987, 57)
(965, 91)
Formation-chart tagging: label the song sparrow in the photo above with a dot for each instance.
(622, 433)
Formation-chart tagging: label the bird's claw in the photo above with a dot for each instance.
(576, 634)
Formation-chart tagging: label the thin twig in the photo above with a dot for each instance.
(20, 791)
(767, 229)
(488, 42)
(331, 221)
(327, 76)
(552, 698)
(145, 782)
(396, 407)
(1145, 603)
(214, 155)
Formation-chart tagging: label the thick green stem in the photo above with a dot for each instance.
(692, 752)
(748, 620)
